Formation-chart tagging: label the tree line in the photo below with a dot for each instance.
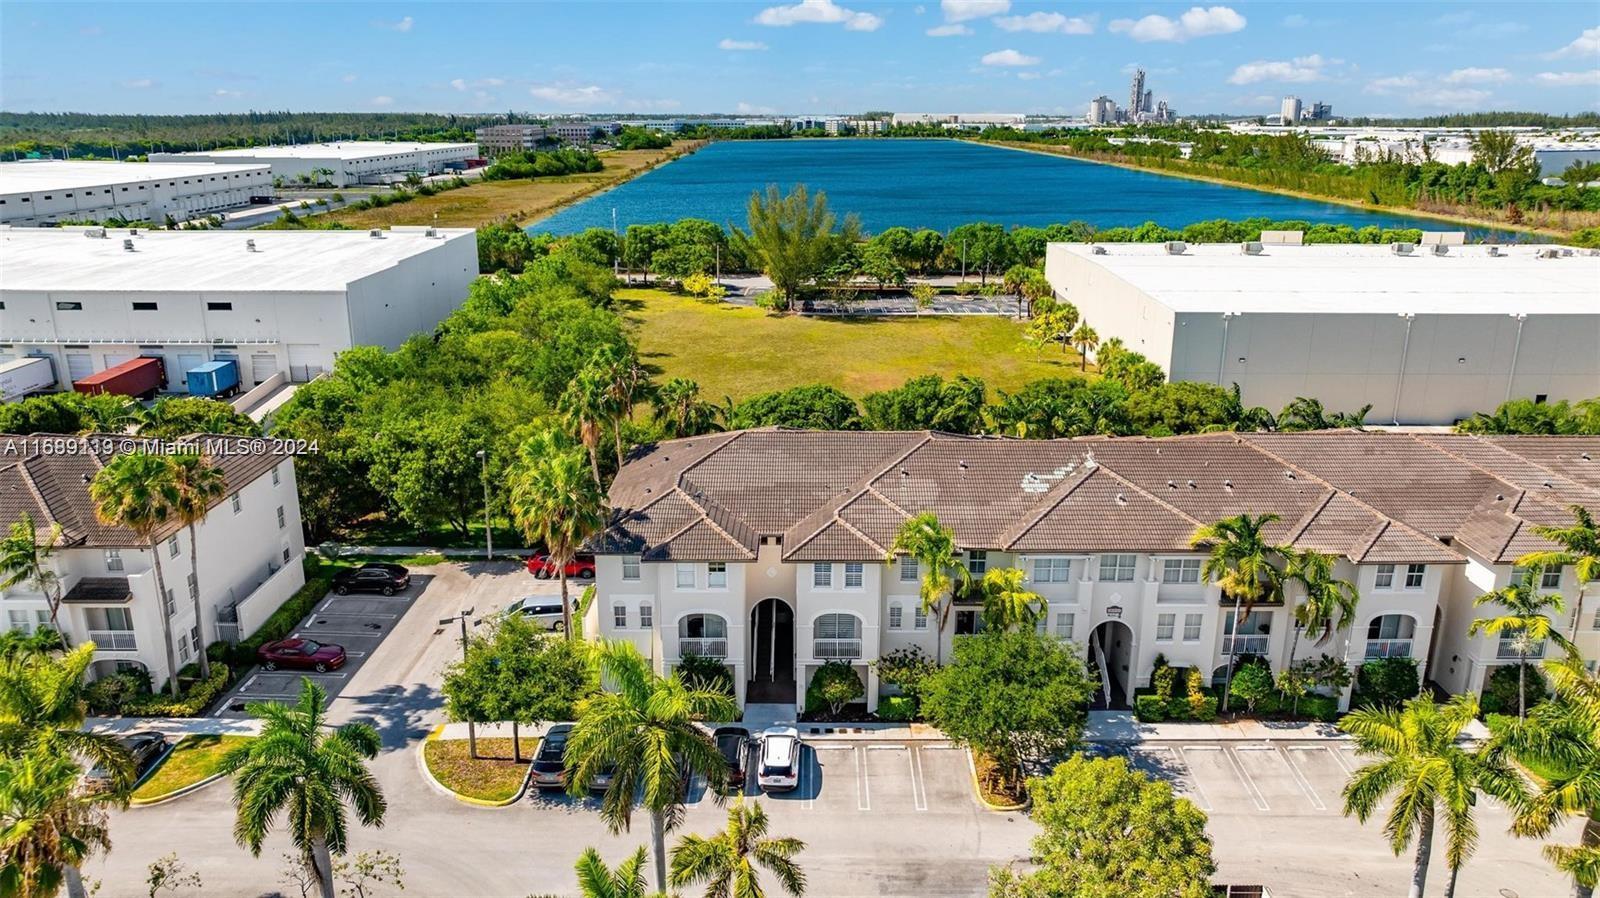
(542, 164)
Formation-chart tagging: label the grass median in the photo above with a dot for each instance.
(492, 776)
(193, 759)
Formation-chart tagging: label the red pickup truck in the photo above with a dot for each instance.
(579, 568)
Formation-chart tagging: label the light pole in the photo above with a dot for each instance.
(488, 526)
(464, 617)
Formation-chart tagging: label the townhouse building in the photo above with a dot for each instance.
(250, 545)
(768, 548)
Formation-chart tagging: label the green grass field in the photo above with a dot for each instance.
(737, 351)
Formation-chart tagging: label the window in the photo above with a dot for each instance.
(685, 576)
(274, 475)
(282, 521)
(285, 554)
(1385, 578)
(821, 575)
(1117, 568)
(897, 616)
(183, 651)
(1414, 575)
(908, 569)
(647, 616)
(619, 616)
(1052, 570)
(219, 307)
(705, 635)
(1165, 624)
(172, 603)
(1064, 624)
(630, 567)
(977, 561)
(1389, 636)
(717, 575)
(189, 582)
(1180, 570)
(1254, 634)
(1191, 627)
(114, 559)
(852, 575)
(144, 307)
(237, 506)
(919, 617)
(69, 306)
(25, 623)
(1549, 578)
(836, 636)
(194, 637)
(172, 546)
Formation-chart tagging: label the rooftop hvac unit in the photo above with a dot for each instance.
(1549, 252)
(431, 232)
(1444, 238)
(1401, 249)
(133, 232)
(1283, 238)
(1440, 249)
(375, 234)
(98, 233)
(1175, 247)
(1097, 250)
(127, 245)
(1494, 250)
(1250, 247)
(250, 245)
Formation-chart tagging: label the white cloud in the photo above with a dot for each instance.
(493, 82)
(1295, 20)
(382, 101)
(1391, 84)
(1197, 22)
(1009, 58)
(571, 94)
(402, 25)
(751, 109)
(1451, 98)
(1477, 76)
(222, 92)
(821, 12)
(139, 83)
(1298, 70)
(1587, 44)
(1046, 22)
(459, 84)
(1569, 79)
(729, 43)
(1029, 76)
(963, 10)
(949, 31)
(350, 79)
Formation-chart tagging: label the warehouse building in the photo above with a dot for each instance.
(1424, 334)
(341, 164)
(35, 192)
(497, 140)
(280, 303)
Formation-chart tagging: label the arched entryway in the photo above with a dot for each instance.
(1111, 652)
(771, 653)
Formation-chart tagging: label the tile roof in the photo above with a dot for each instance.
(841, 496)
(99, 591)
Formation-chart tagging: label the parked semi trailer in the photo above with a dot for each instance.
(24, 377)
(141, 378)
(214, 379)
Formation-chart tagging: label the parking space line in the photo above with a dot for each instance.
(1300, 778)
(1340, 759)
(323, 631)
(1205, 800)
(863, 784)
(317, 614)
(919, 790)
(1244, 775)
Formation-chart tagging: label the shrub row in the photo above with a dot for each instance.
(1150, 708)
(200, 694)
(319, 579)
(897, 708)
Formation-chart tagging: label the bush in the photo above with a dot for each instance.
(898, 708)
(1149, 708)
(319, 579)
(1387, 681)
(966, 288)
(1500, 693)
(706, 673)
(833, 686)
(905, 668)
(1251, 684)
(109, 695)
(1320, 707)
(194, 699)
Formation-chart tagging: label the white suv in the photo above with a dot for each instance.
(779, 770)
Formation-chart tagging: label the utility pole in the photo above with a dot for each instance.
(472, 728)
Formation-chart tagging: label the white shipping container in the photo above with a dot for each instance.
(25, 377)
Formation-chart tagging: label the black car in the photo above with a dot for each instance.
(550, 765)
(145, 749)
(734, 744)
(376, 577)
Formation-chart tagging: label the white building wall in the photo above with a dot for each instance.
(1112, 306)
(137, 198)
(386, 308)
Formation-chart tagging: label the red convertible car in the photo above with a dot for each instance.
(579, 568)
(302, 654)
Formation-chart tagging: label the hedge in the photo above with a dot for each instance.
(1149, 708)
(319, 579)
(897, 708)
(195, 699)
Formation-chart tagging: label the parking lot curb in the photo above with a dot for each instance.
(175, 794)
(977, 789)
(422, 766)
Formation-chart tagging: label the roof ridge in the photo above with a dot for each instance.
(1383, 528)
(1310, 517)
(859, 535)
(706, 516)
(865, 487)
(1048, 507)
(1516, 527)
(1152, 496)
(33, 488)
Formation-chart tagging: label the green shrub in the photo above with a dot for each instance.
(966, 288)
(1203, 708)
(899, 708)
(1500, 693)
(1164, 679)
(833, 686)
(906, 668)
(1320, 707)
(194, 699)
(706, 673)
(109, 695)
(1150, 708)
(1194, 683)
(319, 579)
(1387, 682)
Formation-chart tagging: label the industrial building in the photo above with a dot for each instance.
(47, 191)
(280, 303)
(1424, 334)
(496, 140)
(341, 164)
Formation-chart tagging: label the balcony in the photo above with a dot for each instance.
(1511, 650)
(1246, 645)
(1388, 648)
(836, 649)
(704, 648)
(114, 640)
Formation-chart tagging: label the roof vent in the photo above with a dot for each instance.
(250, 245)
(431, 232)
(1288, 475)
(1121, 499)
(1097, 250)
(1586, 457)
(127, 245)
(375, 234)
(1227, 484)
(1191, 484)
(1549, 252)
(1172, 484)
(1401, 249)
(1494, 250)
(1250, 247)
(1175, 247)
(94, 232)
(1440, 249)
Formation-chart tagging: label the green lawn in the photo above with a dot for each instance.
(738, 351)
(192, 760)
(493, 776)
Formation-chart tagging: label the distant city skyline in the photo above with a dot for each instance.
(810, 56)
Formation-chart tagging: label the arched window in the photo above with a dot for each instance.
(1389, 636)
(705, 635)
(836, 636)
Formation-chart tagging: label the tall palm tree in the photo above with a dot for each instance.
(1580, 547)
(627, 383)
(24, 559)
(49, 825)
(1244, 565)
(1329, 603)
(680, 412)
(41, 698)
(302, 767)
(557, 504)
(1527, 621)
(139, 492)
(596, 880)
(1007, 602)
(646, 733)
(1430, 774)
(199, 483)
(588, 406)
(933, 545)
(727, 862)
(1085, 339)
(1562, 737)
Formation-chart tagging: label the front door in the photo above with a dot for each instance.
(771, 653)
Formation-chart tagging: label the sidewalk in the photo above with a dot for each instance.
(1121, 727)
(882, 732)
(404, 551)
(175, 727)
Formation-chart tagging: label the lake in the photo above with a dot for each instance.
(935, 184)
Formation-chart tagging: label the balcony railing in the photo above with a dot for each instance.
(1509, 650)
(113, 640)
(836, 649)
(705, 648)
(1246, 645)
(1388, 648)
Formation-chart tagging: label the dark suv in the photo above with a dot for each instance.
(550, 765)
(376, 577)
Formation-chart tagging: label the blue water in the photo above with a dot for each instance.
(935, 184)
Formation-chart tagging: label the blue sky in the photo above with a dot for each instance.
(810, 56)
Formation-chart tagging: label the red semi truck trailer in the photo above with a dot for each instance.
(141, 377)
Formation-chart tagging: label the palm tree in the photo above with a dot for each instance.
(139, 492)
(24, 559)
(1430, 774)
(1525, 621)
(557, 504)
(48, 825)
(727, 862)
(41, 698)
(596, 880)
(199, 483)
(1580, 547)
(587, 406)
(1329, 604)
(627, 383)
(1007, 602)
(1562, 738)
(304, 768)
(646, 733)
(933, 545)
(1085, 339)
(680, 412)
(1242, 562)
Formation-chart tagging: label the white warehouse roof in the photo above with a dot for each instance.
(36, 175)
(348, 151)
(1353, 278)
(64, 259)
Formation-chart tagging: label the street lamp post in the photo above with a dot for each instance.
(464, 617)
(488, 526)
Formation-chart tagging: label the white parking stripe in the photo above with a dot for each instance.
(919, 789)
(353, 614)
(1301, 780)
(1205, 801)
(1244, 776)
(323, 631)
(863, 786)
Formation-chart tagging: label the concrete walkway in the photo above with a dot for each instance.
(1121, 727)
(885, 732)
(175, 727)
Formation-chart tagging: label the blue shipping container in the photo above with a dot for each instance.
(214, 378)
